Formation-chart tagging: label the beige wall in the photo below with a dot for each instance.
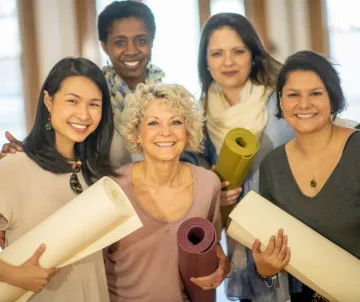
(56, 33)
(288, 26)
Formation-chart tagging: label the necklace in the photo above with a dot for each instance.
(173, 206)
(313, 182)
(75, 184)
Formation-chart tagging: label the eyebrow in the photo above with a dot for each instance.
(142, 35)
(79, 97)
(155, 117)
(293, 89)
(239, 46)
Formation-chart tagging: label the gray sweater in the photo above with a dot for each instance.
(335, 211)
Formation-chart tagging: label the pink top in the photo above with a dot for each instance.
(143, 267)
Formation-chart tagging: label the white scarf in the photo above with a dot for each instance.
(249, 113)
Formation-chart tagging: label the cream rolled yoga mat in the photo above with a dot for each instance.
(96, 218)
(234, 161)
(320, 264)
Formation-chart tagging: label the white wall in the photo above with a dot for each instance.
(287, 26)
(287, 21)
(55, 22)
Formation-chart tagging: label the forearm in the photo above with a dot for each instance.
(223, 261)
(7, 271)
(220, 253)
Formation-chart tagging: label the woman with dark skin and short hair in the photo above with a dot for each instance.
(314, 177)
(126, 31)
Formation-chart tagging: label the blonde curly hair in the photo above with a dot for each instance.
(177, 97)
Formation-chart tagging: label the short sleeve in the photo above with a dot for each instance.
(7, 193)
(5, 215)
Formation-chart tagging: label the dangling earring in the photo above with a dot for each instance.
(48, 124)
(253, 63)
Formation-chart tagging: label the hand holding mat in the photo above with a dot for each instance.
(197, 245)
(320, 264)
(96, 218)
(234, 161)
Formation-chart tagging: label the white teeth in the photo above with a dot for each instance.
(305, 115)
(132, 63)
(78, 126)
(164, 144)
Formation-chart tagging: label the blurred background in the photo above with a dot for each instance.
(35, 34)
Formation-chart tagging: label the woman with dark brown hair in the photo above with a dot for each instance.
(238, 77)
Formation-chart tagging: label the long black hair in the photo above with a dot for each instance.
(264, 67)
(94, 151)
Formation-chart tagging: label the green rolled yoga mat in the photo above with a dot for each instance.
(234, 161)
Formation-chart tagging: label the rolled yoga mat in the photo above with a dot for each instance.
(234, 161)
(95, 219)
(197, 242)
(320, 264)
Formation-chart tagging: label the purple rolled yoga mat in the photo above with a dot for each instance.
(197, 241)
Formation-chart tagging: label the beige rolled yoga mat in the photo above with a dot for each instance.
(96, 218)
(320, 264)
(234, 161)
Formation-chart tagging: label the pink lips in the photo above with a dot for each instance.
(229, 73)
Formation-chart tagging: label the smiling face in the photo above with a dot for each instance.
(128, 46)
(162, 132)
(305, 102)
(229, 60)
(76, 110)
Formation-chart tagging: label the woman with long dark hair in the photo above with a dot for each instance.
(66, 151)
(238, 78)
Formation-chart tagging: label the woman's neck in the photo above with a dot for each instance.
(161, 173)
(232, 94)
(133, 82)
(310, 144)
(65, 147)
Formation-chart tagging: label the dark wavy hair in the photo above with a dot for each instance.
(311, 61)
(118, 10)
(264, 67)
(94, 151)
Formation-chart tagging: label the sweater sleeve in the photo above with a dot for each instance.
(9, 170)
(264, 188)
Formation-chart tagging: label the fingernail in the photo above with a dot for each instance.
(273, 237)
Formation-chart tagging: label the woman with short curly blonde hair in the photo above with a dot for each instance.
(178, 98)
(162, 121)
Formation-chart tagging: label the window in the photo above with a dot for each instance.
(227, 6)
(176, 44)
(12, 115)
(344, 44)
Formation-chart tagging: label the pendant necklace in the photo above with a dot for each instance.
(313, 183)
